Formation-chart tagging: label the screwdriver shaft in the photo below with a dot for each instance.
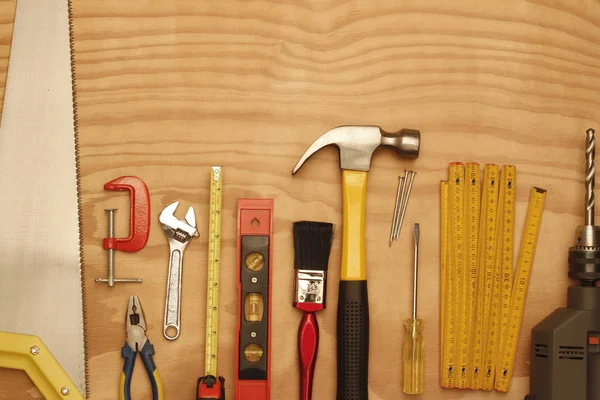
(416, 270)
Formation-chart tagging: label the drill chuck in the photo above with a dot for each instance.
(584, 264)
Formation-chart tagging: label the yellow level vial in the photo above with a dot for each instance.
(485, 266)
(443, 269)
(472, 211)
(529, 240)
(456, 193)
(504, 233)
(214, 255)
(507, 249)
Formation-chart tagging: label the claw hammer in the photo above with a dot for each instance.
(357, 145)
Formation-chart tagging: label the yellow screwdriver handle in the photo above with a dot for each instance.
(354, 185)
(413, 355)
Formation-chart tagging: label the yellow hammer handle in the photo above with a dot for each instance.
(354, 185)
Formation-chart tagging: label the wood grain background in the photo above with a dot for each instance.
(166, 89)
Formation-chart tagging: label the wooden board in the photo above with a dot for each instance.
(166, 89)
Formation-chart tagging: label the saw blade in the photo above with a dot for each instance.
(40, 266)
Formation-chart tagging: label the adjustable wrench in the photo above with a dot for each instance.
(179, 233)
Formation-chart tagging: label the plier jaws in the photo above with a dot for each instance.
(135, 325)
(137, 342)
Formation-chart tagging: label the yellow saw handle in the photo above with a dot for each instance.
(354, 266)
(30, 354)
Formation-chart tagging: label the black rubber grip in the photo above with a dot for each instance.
(353, 341)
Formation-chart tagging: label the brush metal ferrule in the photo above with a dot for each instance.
(310, 286)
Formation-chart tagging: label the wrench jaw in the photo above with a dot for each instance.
(178, 236)
(175, 229)
(190, 218)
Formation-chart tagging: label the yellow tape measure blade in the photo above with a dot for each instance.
(213, 281)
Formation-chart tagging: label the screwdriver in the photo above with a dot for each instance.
(413, 340)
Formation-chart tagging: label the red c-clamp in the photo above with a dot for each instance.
(139, 219)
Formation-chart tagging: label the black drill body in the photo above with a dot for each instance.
(565, 346)
(564, 365)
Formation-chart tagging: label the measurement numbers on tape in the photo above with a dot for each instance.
(213, 282)
(445, 358)
(522, 277)
(485, 266)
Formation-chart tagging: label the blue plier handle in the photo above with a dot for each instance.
(137, 341)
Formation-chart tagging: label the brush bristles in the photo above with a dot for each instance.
(312, 245)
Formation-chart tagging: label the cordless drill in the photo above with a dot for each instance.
(565, 346)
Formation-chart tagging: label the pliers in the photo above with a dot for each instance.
(137, 341)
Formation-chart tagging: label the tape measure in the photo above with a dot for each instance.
(504, 231)
(485, 265)
(529, 240)
(444, 379)
(214, 255)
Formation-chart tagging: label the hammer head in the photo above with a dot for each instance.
(358, 143)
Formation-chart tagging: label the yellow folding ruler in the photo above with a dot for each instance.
(485, 266)
(456, 192)
(209, 384)
(445, 379)
(509, 182)
(453, 190)
(472, 211)
(522, 276)
(502, 261)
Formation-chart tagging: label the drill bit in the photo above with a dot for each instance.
(590, 176)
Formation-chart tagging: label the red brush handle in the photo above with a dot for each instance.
(308, 344)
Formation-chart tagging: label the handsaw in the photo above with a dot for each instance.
(40, 265)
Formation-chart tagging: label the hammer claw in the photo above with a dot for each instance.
(326, 139)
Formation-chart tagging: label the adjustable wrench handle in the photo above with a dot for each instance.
(173, 302)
